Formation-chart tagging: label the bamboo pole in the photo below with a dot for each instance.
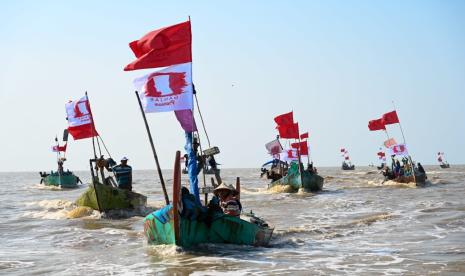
(160, 175)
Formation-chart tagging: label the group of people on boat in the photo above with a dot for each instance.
(405, 169)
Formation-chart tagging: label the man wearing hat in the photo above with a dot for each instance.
(123, 174)
(227, 199)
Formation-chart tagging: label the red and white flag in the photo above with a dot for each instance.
(399, 150)
(274, 147)
(59, 148)
(390, 142)
(80, 123)
(169, 89)
(288, 155)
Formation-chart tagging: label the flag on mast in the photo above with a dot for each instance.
(80, 121)
(165, 90)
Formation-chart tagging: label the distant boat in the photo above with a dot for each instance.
(290, 178)
(346, 163)
(274, 169)
(310, 181)
(406, 172)
(347, 166)
(442, 161)
(60, 178)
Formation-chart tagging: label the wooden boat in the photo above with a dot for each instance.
(110, 198)
(312, 182)
(173, 224)
(419, 179)
(277, 171)
(347, 167)
(442, 161)
(60, 178)
(64, 179)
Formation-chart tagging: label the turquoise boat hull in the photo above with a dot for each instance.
(64, 180)
(223, 229)
(293, 182)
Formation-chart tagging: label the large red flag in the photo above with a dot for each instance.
(390, 118)
(304, 136)
(80, 122)
(377, 124)
(162, 47)
(289, 131)
(284, 119)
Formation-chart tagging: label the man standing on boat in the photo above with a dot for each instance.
(123, 174)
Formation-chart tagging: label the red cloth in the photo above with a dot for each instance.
(289, 131)
(303, 148)
(162, 47)
(390, 118)
(304, 136)
(377, 124)
(285, 119)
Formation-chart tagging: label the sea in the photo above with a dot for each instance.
(356, 226)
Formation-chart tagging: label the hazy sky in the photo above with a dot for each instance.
(337, 64)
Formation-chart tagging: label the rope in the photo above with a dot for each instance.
(201, 119)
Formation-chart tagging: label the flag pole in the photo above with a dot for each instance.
(95, 157)
(160, 175)
(400, 125)
(298, 154)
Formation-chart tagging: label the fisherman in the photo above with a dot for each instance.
(397, 169)
(227, 197)
(421, 169)
(186, 160)
(123, 173)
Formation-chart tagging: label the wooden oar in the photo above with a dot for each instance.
(176, 195)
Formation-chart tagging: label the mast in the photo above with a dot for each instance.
(160, 175)
(95, 157)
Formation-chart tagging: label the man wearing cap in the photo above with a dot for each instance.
(123, 174)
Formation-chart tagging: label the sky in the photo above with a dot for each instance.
(336, 64)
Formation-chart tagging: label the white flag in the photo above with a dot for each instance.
(399, 150)
(169, 89)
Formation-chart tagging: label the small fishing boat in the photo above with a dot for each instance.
(442, 161)
(408, 171)
(186, 221)
(178, 224)
(274, 169)
(346, 163)
(63, 179)
(60, 178)
(293, 181)
(347, 167)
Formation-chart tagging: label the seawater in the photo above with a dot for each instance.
(356, 226)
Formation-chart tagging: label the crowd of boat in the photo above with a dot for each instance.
(210, 212)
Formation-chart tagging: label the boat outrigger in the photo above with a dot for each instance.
(186, 220)
(60, 178)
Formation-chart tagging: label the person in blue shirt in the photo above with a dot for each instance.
(123, 174)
